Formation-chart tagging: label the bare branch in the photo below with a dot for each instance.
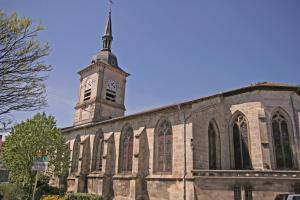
(22, 70)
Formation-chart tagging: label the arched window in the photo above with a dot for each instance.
(97, 152)
(126, 149)
(163, 147)
(75, 154)
(241, 143)
(282, 147)
(213, 146)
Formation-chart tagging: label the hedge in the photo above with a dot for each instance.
(82, 196)
(52, 197)
(47, 190)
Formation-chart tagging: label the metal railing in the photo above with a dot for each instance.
(247, 174)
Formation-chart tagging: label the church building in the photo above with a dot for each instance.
(241, 144)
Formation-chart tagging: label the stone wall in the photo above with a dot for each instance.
(192, 119)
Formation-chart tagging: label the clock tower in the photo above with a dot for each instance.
(102, 85)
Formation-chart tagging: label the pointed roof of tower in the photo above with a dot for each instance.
(108, 30)
(107, 36)
(105, 55)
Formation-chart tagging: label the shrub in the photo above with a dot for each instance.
(82, 196)
(52, 197)
(47, 190)
(10, 191)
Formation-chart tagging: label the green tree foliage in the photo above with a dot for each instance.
(34, 138)
(22, 70)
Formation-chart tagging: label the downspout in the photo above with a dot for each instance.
(185, 119)
(184, 149)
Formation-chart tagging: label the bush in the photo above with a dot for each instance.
(47, 190)
(82, 196)
(10, 191)
(52, 197)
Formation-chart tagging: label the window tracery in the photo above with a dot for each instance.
(241, 144)
(126, 149)
(282, 147)
(163, 147)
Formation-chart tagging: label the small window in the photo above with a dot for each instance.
(87, 95)
(296, 198)
(110, 95)
(248, 193)
(237, 193)
(297, 188)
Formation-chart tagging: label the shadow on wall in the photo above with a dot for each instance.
(108, 191)
(143, 167)
(85, 165)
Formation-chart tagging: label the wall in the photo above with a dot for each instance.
(143, 183)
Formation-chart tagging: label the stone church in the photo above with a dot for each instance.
(241, 144)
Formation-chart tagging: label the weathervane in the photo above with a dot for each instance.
(110, 4)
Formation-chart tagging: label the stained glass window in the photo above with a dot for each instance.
(241, 144)
(163, 147)
(282, 147)
(126, 150)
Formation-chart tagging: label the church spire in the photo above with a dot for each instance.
(107, 36)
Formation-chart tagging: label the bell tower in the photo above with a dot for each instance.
(102, 85)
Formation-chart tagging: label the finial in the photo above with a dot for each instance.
(110, 5)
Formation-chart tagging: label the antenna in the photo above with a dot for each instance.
(110, 4)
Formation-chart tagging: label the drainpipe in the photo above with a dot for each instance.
(185, 118)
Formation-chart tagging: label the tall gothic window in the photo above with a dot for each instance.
(213, 145)
(241, 144)
(75, 154)
(282, 147)
(126, 149)
(163, 147)
(97, 152)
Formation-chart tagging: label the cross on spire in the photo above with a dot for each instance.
(110, 4)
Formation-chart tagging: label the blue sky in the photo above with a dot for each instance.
(175, 50)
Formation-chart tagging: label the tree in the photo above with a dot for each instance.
(33, 138)
(22, 70)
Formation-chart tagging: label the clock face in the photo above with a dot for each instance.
(112, 85)
(88, 84)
